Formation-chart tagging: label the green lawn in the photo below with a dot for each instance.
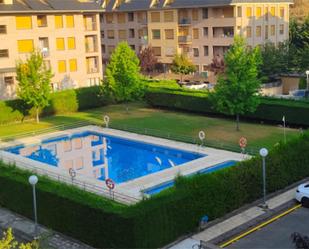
(177, 125)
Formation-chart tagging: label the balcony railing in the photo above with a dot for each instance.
(184, 21)
(185, 39)
(90, 26)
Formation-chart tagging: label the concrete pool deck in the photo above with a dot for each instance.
(132, 188)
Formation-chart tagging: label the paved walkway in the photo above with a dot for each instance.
(23, 230)
(236, 221)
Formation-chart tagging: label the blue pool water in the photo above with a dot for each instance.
(102, 156)
(159, 188)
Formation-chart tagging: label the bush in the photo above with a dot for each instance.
(270, 109)
(61, 102)
(163, 218)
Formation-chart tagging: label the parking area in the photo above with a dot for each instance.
(277, 234)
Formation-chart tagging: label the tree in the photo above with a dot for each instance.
(182, 65)
(34, 82)
(217, 65)
(123, 80)
(237, 89)
(148, 60)
(8, 242)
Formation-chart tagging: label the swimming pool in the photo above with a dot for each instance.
(157, 189)
(101, 156)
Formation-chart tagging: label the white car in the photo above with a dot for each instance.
(302, 194)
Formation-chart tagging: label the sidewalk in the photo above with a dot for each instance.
(23, 230)
(250, 215)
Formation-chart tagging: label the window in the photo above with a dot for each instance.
(58, 22)
(121, 18)
(90, 22)
(156, 34)
(195, 14)
(110, 34)
(155, 16)
(249, 12)
(109, 18)
(67, 146)
(23, 22)
(71, 42)
(73, 65)
(239, 11)
(4, 53)
(103, 48)
(70, 21)
(62, 68)
(272, 30)
(42, 21)
(132, 47)
(205, 13)
(9, 80)
(281, 30)
(122, 34)
(169, 34)
(168, 16)
(266, 31)
(3, 29)
(25, 46)
(282, 12)
(196, 52)
(131, 33)
(157, 51)
(60, 44)
(258, 31)
(249, 32)
(258, 11)
(273, 11)
(205, 68)
(92, 64)
(196, 33)
(131, 17)
(206, 50)
(110, 49)
(205, 31)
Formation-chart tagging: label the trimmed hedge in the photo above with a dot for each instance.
(61, 102)
(163, 218)
(270, 109)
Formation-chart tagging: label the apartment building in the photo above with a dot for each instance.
(67, 33)
(201, 29)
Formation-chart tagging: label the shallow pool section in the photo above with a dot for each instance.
(102, 156)
(157, 189)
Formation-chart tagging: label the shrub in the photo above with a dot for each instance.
(270, 109)
(164, 217)
(60, 102)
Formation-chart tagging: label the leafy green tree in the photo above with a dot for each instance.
(182, 65)
(236, 92)
(123, 80)
(34, 82)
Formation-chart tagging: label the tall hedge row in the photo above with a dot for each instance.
(61, 102)
(270, 109)
(163, 218)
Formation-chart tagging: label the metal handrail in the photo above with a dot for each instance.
(86, 186)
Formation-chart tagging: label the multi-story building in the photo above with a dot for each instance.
(66, 32)
(201, 29)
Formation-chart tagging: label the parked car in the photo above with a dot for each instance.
(300, 94)
(302, 194)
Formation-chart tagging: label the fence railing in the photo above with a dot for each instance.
(84, 185)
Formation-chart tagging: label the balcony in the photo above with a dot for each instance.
(223, 32)
(90, 23)
(91, 43)
(184, 21)
(184, 39)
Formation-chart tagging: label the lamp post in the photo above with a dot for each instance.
(33, 180)
(307, 73)
(264, 153)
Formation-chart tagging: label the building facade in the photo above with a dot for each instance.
(67, 33)
(201, 29)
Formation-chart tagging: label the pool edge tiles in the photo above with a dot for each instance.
(165, 185)
(134, 187)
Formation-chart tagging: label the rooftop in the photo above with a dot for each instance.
(30, 6)
(136, 5)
